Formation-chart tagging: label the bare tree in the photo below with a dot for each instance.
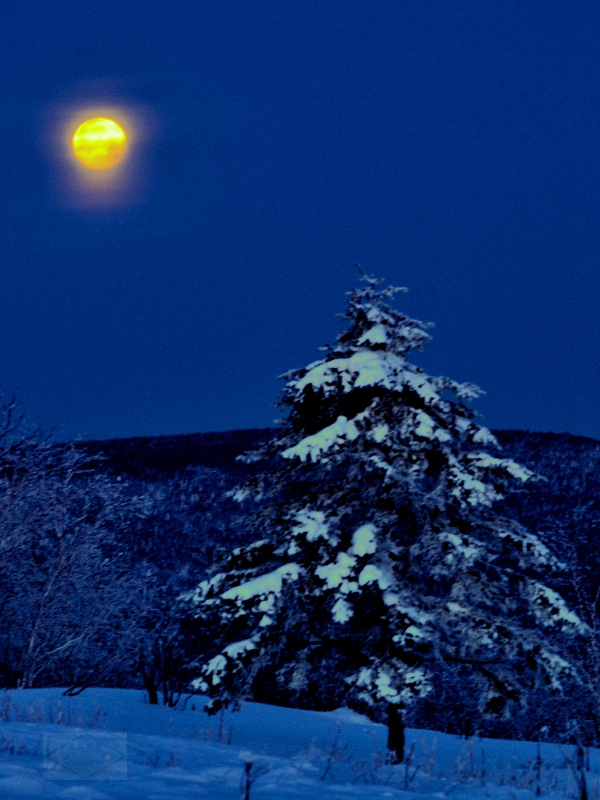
(584, 584)
(66, 591)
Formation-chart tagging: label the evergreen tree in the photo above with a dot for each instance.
(377, 549)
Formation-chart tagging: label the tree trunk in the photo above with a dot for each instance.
(149, 684)
(581, 770)
(396, 730)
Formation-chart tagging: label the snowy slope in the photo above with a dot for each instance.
(302, 754)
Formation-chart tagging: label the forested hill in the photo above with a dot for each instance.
(159, 457)
(563, 507)
(571, 464)
(567, 498)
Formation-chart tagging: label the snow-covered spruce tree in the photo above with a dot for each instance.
(377, 546)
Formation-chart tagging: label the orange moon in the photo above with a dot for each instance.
(99, 143)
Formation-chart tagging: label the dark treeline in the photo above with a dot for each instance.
(98, 540)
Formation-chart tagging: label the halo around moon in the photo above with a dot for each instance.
(99, 143)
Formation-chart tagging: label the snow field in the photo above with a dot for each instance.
(176, 753)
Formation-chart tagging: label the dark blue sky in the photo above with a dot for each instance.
(451, 147)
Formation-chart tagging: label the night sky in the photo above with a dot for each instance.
(451, 147)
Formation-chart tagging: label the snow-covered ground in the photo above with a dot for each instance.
(109, 743)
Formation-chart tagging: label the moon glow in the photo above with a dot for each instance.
(99, 143)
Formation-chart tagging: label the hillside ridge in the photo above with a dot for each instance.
(152, 455)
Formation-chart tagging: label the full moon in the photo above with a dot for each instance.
(99, 143)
